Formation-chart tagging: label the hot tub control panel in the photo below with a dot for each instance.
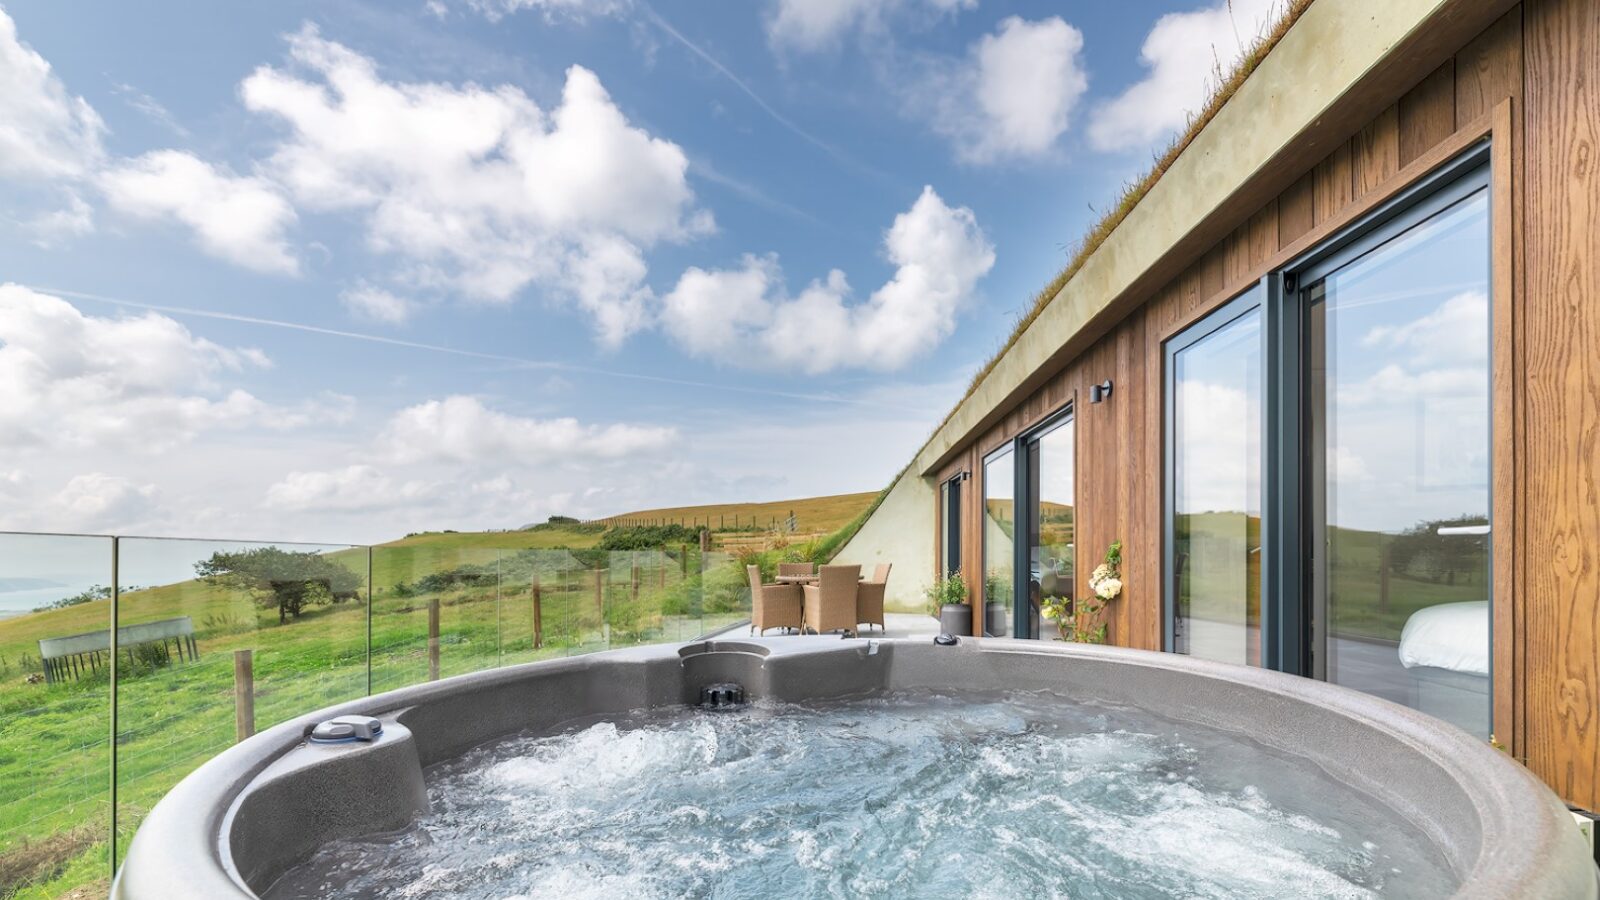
(343, 729)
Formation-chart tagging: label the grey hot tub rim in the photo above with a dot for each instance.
(244, 817)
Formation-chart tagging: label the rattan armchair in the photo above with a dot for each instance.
(796, 569)
(772, 605)
(830, 605)
(869, 597)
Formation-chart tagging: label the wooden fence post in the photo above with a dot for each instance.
(244, 694)
(538, 615)
(1383, 579)
(635, 574)
(599, 593)
(661, 569)
(433, 639)
(683, 560)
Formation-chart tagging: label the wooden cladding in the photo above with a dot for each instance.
(1558, 363)
(1538, 69)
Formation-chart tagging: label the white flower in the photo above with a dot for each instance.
(1048, 611)
(1108, 588)
(1100, 573)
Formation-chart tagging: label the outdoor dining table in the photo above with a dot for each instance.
(803, 579)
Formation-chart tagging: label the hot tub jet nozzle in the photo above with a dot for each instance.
(722, 695)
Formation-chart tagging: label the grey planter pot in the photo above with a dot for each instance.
(994, 619)
(955, 618)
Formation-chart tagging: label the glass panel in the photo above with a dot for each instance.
(1399, 439)
(541, 594)
(1052, 554)
(634, 611)
(195, 619)
(999, 559)
(55, 714)
(435, 610)
(725, 591)
(950, 512)
(1216, 447)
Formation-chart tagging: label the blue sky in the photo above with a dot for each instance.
(529, 257)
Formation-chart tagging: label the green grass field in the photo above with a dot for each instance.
(1368, 599)
(171, 717)
(812, 514)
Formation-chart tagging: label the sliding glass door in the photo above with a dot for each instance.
(1327, 495)
(1214, 486)
(1052, 527)
(999, 541)
(1397, 440)
(1029, 529)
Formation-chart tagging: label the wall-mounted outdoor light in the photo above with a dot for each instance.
(1098, 392)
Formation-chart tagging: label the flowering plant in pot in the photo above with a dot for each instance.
(1080, 620)
(947, 602)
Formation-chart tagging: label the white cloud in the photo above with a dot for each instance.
(44, 131)
(553, 10)
(819, 24)
(58, 226)
(150, 108)
(1220, 467)
(96, 501)
(461, 429)
(714, 313)
(742, 316)
(1182, 53)
(1457, 331)
(241, 219)
(378, 305)
(355, 488)
(145, 382)
(480, 190)
(1014, 94)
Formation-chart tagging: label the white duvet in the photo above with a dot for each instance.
(1452, 636)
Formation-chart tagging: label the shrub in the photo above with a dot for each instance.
(951, 590)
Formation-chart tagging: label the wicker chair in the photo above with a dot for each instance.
(869, 597)
(831, 604)
(772, 605)
(796, 569)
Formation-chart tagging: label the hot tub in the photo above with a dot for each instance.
(880, 767)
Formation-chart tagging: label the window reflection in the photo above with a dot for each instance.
(1052, 528)
(999, 528)
(1398, 403)
(1216, 564)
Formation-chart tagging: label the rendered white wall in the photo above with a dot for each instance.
(900, 531)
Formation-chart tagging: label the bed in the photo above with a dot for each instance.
(1445, 650)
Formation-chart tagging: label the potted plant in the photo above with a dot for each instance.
(947, 601)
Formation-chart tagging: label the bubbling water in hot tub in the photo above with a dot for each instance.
(900, 795)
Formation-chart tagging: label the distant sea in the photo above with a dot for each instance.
(19, 602)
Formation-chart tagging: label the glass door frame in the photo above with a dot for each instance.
(1286, 639)
(1025, 504)
(980, 590)
(1252, 299)
(950, 549)
(1288, 472)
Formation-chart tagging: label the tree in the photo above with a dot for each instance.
(1422, 552)
(289, 580)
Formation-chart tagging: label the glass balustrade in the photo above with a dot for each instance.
(126, 663)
